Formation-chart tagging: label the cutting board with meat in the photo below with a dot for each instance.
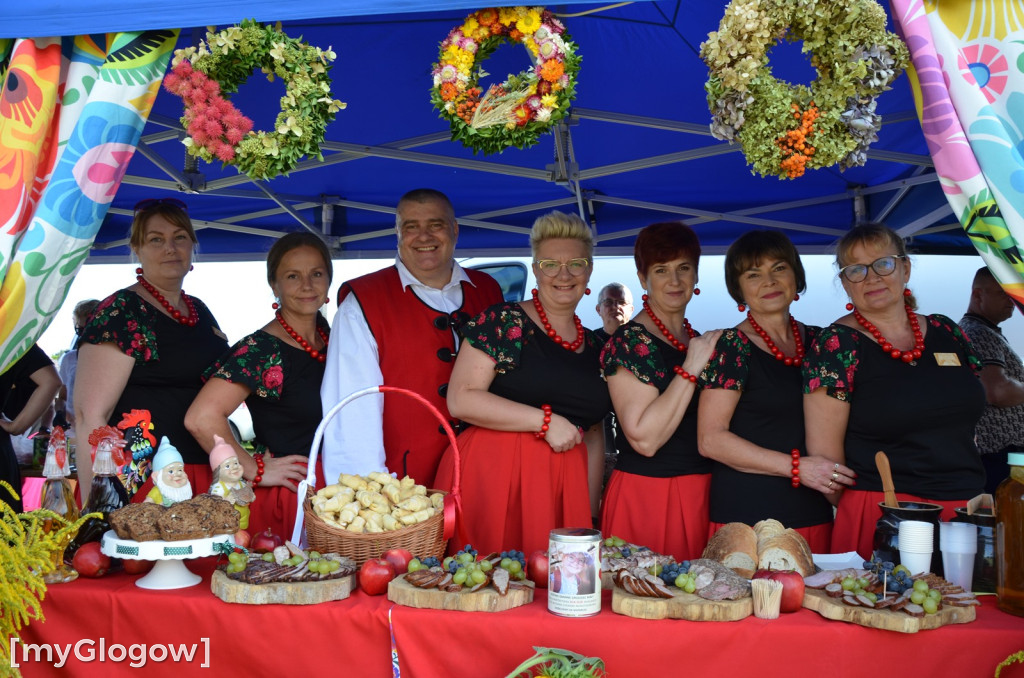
(891, 612)
(496, 595)
(282, 593)
(721, 595)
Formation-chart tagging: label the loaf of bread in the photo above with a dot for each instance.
(766, 529)
(786, 551)
(735, 546)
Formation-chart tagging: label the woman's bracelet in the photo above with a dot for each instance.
(685, 375)
(547, 421)
(796, 467)
(259, 469)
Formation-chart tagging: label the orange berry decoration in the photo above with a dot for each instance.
(795, 144)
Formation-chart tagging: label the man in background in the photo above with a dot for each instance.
(615, 306)
(1001, 428)
(399, 326)
(69, 364)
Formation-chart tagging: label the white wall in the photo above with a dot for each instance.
(239, 297)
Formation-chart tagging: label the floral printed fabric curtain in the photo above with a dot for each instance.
(969, 66)
(71, 113)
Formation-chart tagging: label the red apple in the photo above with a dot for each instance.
(792, 587)
(266, 541)
(137, 566)
(399, 558)
(243, 538)
(537, 569)
(89, 561)
(374, 576)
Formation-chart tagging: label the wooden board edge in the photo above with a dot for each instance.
(886, 620)
(308, 593)
(485, 600)
(685, 606)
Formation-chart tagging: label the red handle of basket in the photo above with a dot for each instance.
(452, 504)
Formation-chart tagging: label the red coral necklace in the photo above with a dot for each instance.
(894, 353)
(317, 355)
(554, 335)
(796, 360)
(664, 330)
(192, 318)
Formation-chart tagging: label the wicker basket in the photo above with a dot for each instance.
(429, 538)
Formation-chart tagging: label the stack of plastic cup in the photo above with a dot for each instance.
(959, 545)
(916, 541)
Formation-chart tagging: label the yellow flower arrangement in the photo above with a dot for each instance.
(225, 60)
(856, 59)
(516, 112)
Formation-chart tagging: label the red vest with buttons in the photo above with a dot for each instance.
(416, 352)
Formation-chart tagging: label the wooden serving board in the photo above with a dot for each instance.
(486, 599)
(683, 605)
(290, 593)
(889, 620)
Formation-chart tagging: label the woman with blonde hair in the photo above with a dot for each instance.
(527, 378)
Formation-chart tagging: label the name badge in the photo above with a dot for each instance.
(947, 359)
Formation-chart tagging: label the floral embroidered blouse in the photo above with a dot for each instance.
(922, 414)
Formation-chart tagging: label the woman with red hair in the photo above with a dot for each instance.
(657, 495)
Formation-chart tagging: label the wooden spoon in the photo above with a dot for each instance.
(882, 462)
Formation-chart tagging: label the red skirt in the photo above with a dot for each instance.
(667, 515)
(274, 507)
(819, 537)
(514, 490)
(858, 514)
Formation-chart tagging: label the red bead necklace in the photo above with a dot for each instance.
(664, 330)
(317, 355)
(796, 360)
(192, 318)
(894, 353)
(554, 335)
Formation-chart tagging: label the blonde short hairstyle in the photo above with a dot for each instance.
(561, 225)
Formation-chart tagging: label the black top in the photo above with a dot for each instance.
(769, 414)
(922, 415)
(284, 382)
(652, 360)
(18, 376)
(170, 359)
(530, 368)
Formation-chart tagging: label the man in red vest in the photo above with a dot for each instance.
(399, 326)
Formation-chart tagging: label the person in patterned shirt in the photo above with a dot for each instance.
(1001, 429)
(276, 371)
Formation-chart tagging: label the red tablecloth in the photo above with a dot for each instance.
(351, 638)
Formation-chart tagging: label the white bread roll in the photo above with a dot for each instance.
(765, 530)
(786, 551)
(735, 546)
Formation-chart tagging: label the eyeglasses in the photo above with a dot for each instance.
(153, 202)
(551, 268)
(609, 302)
(883, 266)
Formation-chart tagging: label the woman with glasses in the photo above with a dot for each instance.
(885, 378)
(657, 495)
(751, 420)
(276, 371)
(527, 379)
(145, 347)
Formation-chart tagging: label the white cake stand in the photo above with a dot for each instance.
(169, 570)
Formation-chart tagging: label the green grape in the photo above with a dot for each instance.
(520, 575)
(871, 596)
(656, 569)
(681, 581)
(918, 597)
(505, 562)
(609, 542)
(235, 557)
(514, 567)
(486, 566)
(901, 568)
(849, 584)
(862, 583)
(415, 565)
(935, 593)
(690, 587)
(618, 541)
(921, 585)
(333, 566)
(465, 558)
(268, 557)
(930, 605)
(313, 554)
(460, 576)
(446, 562)
(478, 577)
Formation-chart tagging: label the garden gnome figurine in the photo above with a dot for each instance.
(170, 484)
(227, 480)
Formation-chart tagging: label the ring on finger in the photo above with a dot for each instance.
(835, 467)
(835, 476)
(830, 483)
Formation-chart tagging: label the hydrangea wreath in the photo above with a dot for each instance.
(786, 128)
(516, 112)
(225, 60)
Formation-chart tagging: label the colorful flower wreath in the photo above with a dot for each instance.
(216, 129)
(786, 128)
(516, 112)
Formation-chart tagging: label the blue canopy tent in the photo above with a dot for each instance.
(636, 148)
